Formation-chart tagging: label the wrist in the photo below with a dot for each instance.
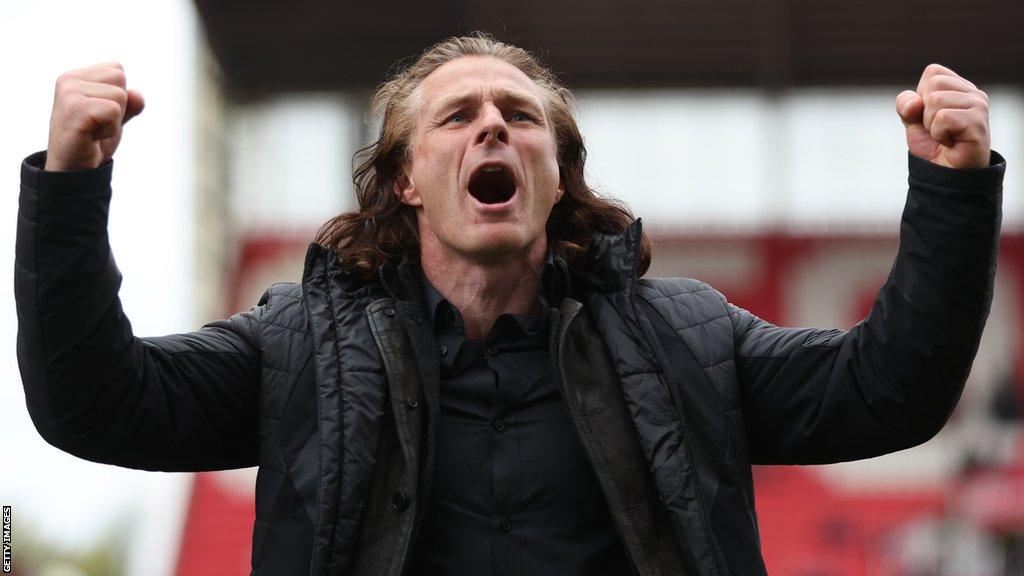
(35, 176)
(54, 163)
(989, 176)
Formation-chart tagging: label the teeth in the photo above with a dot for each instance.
(492, 169)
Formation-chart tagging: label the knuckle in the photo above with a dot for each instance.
(111, 107)
(63, 81)
(75, 104)
(120, 96)
(69, 88)
(117, 77)
(102, 111)
(106, 116)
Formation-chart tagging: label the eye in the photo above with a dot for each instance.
(455, 118)
(521, 117)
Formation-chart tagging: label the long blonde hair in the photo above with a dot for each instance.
(385, 229)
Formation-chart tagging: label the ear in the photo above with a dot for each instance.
(561, 187)
(406, 191)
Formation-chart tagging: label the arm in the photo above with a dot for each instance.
(814, 396)
(892, 381)
(182, 402)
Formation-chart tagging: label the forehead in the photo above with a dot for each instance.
(476, 76)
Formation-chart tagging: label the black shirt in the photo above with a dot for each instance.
(513, 492)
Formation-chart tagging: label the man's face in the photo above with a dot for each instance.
(484, 170)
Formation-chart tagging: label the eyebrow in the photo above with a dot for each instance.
(502, 96)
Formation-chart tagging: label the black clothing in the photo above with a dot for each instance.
(332, 386)
(513, 491)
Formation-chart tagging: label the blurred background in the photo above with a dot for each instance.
(758, 140)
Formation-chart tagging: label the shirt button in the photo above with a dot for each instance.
(444, 349)
(505, 524)
(400, 501)
(412, 403)
(499, 425)
(389, 312)
(492, 350)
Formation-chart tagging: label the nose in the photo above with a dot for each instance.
(492, 127)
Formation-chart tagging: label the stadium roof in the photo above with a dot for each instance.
(268, 47)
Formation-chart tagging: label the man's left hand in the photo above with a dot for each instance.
(946, 119)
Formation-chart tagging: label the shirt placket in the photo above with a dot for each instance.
(505, 459)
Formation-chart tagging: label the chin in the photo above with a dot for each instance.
(497, 245)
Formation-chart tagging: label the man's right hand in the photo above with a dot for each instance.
(90, 106)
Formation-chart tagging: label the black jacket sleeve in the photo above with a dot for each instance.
(891, 382)
(173, 403)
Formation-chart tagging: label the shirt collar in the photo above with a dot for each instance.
(433, 300)
(552, 288)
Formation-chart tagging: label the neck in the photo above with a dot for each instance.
(484, 291)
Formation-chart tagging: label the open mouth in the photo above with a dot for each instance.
(492, 185)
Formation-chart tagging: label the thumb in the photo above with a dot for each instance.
(135, 105)
(910, 107)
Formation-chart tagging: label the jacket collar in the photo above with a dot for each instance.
(613, 260)
(404, 281)
(316, 264)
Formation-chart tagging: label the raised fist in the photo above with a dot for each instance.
(90, 106)
(946, 119)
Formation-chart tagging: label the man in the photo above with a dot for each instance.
(471, 378)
